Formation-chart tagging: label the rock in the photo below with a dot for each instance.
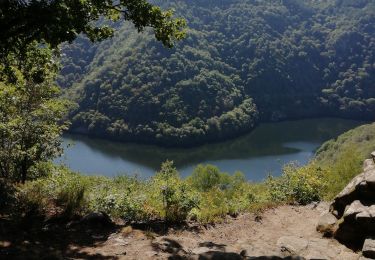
(357, 223)
(368, 249)
(354, 210)
(97, 219)
(362, 188)
(292, 245)
(168, 245)
(319, 248)
(368, 165)
(327, 224)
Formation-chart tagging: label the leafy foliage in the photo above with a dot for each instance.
(301, 185)
(23, 22)
(177, 197)
(31, 113)
(164, 197)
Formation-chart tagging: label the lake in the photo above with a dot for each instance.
(262, 152)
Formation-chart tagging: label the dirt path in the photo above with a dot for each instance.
(280, 232)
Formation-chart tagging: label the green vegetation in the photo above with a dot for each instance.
(207, 196)
(290, 58)
(32, 113)
(242, 61)
(165, 196)
(23, 22)
(359, 142)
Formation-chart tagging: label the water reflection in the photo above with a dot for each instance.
(256, 154)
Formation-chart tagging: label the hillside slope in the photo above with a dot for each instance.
(359, 141)
(243, 61)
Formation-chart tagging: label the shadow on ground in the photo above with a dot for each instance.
(214, 252)
(56, 239)
(29, 240)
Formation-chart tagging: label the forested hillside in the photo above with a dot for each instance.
(242, 61)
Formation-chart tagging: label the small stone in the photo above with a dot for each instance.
(368, 249)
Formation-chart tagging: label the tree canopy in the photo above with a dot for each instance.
(56, 21)
(32, 113)
(242, 61)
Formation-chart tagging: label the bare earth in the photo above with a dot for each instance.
(279, 232)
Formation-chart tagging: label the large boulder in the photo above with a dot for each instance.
(362, 188)
(351, 217)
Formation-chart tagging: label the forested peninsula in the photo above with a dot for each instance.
(242, 62)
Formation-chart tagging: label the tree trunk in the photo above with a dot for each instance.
(24, 169)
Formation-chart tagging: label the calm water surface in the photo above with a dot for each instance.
(257, 154)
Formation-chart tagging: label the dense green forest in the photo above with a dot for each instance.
(242, 62)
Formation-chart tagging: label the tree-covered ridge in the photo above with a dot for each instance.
(278, 59)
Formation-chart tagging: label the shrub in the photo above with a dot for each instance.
(221, 193)
(297, 184)
(61, 188)
(122, 197)
(172, 197)
(205, 177)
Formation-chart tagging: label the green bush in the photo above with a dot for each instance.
(205, 178)
(122, 197)
(297, 184)
(173, 198)
(62, 188)
(221, 193)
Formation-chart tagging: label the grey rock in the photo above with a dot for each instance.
(368, 249)
(368, 165)
(361, 187)
(327, 224)
(292, 245)
(354, 210)
(319, 248)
